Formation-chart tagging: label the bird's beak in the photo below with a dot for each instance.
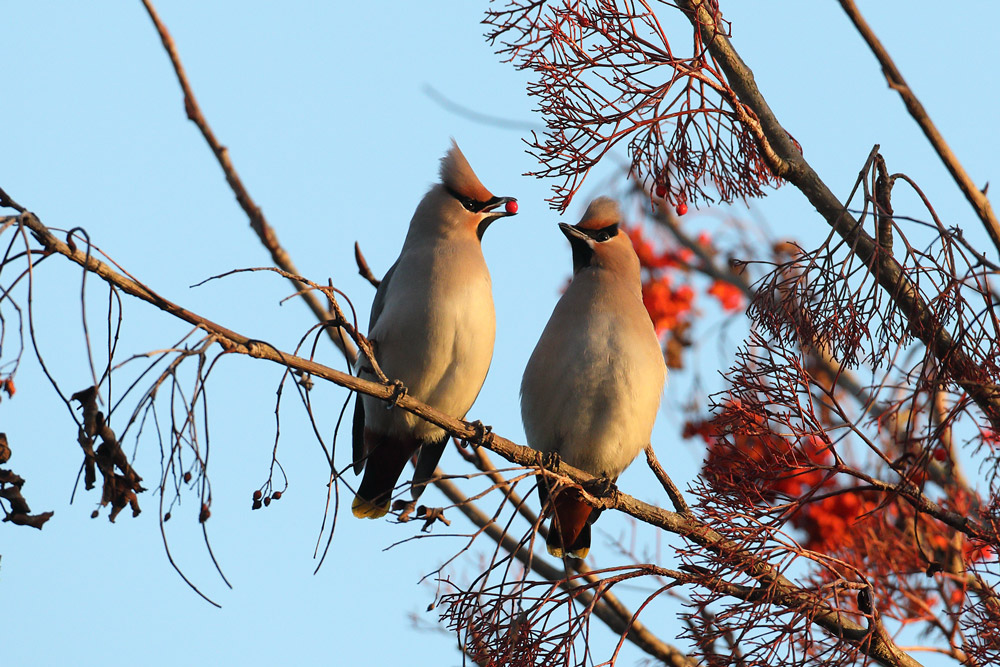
(493, 214)
(581, 244)
(501, 201)
(574, 235)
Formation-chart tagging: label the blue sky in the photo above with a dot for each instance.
(323, 109)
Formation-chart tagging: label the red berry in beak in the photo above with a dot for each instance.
(511, 206)
(681, 208)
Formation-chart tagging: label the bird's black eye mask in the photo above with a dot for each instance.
(474, 205)
(603, 234)
(583, 253)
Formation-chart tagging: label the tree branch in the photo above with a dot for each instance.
(882, 265)
(608, 608)
(976, 197)
(258, 222)
(781, 591)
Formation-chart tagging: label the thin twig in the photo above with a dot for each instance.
(258, 222)
(608, 608)
(976, 197)
(363, 270)
(668, 484)
(899, 287)
(782, 591)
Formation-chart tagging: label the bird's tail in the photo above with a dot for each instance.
(569, 532)
(387, 456)
(427, 460)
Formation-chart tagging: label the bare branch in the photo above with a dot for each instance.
(363, 270)
(921, 319)
(607, 607)
(976, 197)
(258, 222)
(668, 484)
(781, 590)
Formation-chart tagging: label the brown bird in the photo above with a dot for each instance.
(592, 387)
(432, 327)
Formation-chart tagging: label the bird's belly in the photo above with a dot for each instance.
(441, 353)
(595, 405)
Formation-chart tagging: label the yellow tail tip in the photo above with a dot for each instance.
(365, 509)
(557, 552)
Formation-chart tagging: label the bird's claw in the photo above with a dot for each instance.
(482, 436)
(398, 391)
(600, 487)
(550, 461)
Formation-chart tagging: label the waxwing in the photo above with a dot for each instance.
(432, 327)
(592, 387)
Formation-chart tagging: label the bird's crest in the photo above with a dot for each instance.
(602, 212)
(457, 175)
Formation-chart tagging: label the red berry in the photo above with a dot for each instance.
(256, 505)
(940, 454)
(277, 495)
(584, 22)
(511, 206)
(257, 494)
(681, 208)
(267, 501)
(187, 477)
(661, 190)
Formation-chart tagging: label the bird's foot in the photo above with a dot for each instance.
(398, 391)
(600, 487)
(549, 460)
(483, 434)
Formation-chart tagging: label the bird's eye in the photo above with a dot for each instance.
(470, 205)
(602, 237)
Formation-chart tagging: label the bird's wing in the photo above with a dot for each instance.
(358, 430)
(358, 435)
(427, 460)
(379, 303)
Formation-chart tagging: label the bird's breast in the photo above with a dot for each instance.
(437, 328)
(592, 387)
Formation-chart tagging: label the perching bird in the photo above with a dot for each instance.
(432, 327)
(592, 386)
